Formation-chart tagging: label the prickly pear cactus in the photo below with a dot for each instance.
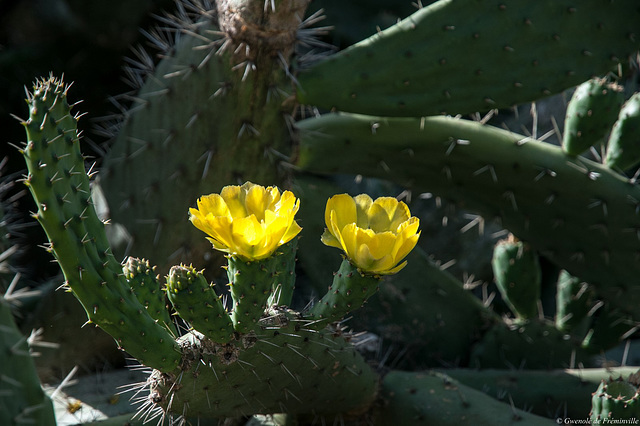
(591, 112)
(616, 400)
(622, 149)
(517, 272)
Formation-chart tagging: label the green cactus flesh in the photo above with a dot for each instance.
(283, 367)
(212, 113)
(423, 310)
(574, 300)
(22, 399)
(526, 344)
(592, 232)
(590, 114)
(197, 303)
(460, 57)
(433, 398)
(285, 274)
(623, 150)
(60, 187)
(517, 273)
(144, 282)
(350, 289)
(541, 391)
(616, 400)
(254, 283)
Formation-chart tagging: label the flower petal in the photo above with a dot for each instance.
(363, 204)
(343, 208)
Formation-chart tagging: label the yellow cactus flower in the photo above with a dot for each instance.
(250, 221)
(375, 235)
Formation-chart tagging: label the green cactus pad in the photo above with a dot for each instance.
(350, 290)
(574, 300)
(211, 113)
(460, 57)
(432, 398)
(623, 149)
(60, 187)
(284, 367)
(144, 282)
(531, 186)
(196, 302)
(251, 285)
(526, 344)
(285, 278)
(517, 273)
(590, 114)
(616, 401)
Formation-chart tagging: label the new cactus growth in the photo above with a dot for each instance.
(590, 114)
(517, 273)
(141, 277)
(616, 400)
(195, 300)
(574, 300)
(622, 149)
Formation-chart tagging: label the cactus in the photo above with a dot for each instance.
(517, 272)
(414, 398)
(422, 65)
(261, 354)
(22, 399)
(60, 187)
(622, 149)
(501, 174)
(574, 300)
(616, 401)
(591, 112)
(197, 303)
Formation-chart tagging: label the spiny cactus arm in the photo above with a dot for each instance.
(529, 185)
(22, 399)
(543, 391)
(144, 282)
(451, 57)
(60, 187)
(197, 303)
(435, 398)
(283, 367)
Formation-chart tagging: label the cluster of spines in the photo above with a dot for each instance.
(60, 187)
(195, 300)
